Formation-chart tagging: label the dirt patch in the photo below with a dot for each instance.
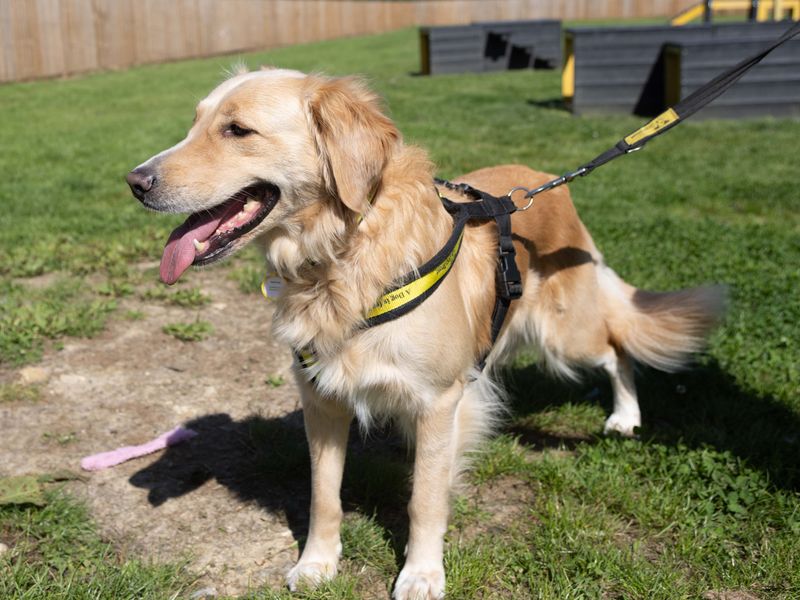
(214, 498)
(502, 504)
(234, 499)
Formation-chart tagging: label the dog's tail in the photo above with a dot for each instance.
(661, 329)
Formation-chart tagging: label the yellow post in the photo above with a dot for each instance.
(568, 70)
(763, 10)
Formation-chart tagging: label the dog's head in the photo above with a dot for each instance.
(266, 152)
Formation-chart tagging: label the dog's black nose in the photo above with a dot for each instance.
(141, 182)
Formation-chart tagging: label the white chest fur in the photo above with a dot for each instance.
(378, 374)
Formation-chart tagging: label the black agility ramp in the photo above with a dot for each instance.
(771, 88)
(452, 49)
(621, 69)
(490, 46)
(516, 37)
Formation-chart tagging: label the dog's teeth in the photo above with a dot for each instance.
(251, 206)
(200, 247)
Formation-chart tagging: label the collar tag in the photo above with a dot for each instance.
(272, 287)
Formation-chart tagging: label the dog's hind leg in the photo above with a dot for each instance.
(327, 428)
(422, 576)
(626, 416)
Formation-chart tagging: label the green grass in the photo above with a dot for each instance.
(186, 298)
(17, 392)
(249, 271)
(62, 439)
(56, 553)
(195, 331)
(31, 315)
(189, 298)
(275, 381)
(630, 520)
(706, 501)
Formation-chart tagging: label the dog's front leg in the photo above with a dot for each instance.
(327, 428)
(422, 577)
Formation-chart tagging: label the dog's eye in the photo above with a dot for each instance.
(237, 131)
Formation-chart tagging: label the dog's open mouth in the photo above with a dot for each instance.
(207, 236)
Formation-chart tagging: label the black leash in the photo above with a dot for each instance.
(672, 116)
(507, 277)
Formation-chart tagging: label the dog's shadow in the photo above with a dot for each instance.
(266, 461)
(700, 407)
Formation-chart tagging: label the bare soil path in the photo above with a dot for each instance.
(212, 498)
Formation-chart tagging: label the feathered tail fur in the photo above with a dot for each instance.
(663, 329)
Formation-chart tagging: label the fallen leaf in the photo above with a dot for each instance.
(22, 489)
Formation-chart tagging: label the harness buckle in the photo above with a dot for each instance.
(509, 282)
(511, 290)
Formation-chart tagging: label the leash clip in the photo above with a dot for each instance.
(527, 195)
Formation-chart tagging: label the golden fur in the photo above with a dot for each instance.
(333, 154)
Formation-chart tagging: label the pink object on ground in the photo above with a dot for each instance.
(104, 460)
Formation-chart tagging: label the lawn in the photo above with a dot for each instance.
(705, 503)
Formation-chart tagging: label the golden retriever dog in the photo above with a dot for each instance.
(312, 168)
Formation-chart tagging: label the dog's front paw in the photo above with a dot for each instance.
(310, 574)
(417, 584)
(623, 423)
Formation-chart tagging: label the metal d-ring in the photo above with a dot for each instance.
(521, 189)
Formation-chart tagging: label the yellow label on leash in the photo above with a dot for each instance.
(653, 127)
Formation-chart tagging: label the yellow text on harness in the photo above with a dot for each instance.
(411, 291)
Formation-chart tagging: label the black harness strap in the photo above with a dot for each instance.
(508, 281)
(399, 301)
(390, 306)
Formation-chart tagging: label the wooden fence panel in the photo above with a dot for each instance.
(47, 38)
(23, 53)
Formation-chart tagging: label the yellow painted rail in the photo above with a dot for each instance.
(767, 9)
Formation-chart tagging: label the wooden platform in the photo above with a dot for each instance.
(771, 88)
(621, 69)
(490, 46)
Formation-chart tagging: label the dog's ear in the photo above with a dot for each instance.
(354, 138)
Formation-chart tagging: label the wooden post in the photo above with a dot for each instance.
(753, 13)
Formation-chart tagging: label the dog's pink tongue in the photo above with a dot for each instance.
(179, 252)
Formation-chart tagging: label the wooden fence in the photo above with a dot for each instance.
(47, 38)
